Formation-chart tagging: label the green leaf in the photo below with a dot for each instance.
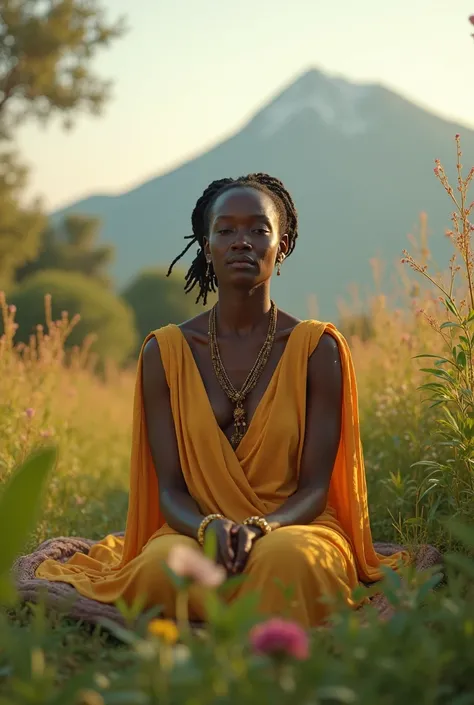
(462, 563)
(450, 324)
(438, 373)
(210, 544)
(461, 359)
(436, 357)
(462, 532)
(232, 584)
(121, 633)
(20, 503)
(451, 306)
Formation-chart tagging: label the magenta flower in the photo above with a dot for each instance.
(279, 637)
(30, 412)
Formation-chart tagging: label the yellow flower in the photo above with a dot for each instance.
(165, 629)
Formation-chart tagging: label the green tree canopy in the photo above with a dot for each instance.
(72, 246)
(102, 312)
(158, 300)
(20, 225)
(47, 47)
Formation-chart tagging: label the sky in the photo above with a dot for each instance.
(189, 73)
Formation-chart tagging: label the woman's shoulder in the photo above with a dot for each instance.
(170, 332)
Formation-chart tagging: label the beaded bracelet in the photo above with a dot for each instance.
(204, 524)
(259, 522)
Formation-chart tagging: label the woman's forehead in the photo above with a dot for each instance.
(243, 200)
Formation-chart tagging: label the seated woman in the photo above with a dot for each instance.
(245, 422)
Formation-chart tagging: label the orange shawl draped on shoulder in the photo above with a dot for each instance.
(254, 479)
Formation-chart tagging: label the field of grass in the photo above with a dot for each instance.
(89, 417)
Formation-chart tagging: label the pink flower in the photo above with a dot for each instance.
(471, 19)
(30, 412)
(186, 562)
(12, 308)
(47, 433)
(279, 637)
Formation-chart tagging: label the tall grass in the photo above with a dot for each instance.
(48, 394)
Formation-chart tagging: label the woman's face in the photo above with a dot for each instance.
(244, 237)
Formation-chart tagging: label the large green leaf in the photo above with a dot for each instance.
(20, 503)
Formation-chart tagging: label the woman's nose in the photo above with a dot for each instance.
(242, 239)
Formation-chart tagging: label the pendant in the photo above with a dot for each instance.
(240, 425)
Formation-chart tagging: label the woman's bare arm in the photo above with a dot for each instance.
(322, 435)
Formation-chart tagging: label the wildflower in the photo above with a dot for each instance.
(279, 637)
(188, 563)
(101, 681)
(12, 308)
(181, 654)
(30, 412)
(90, 697)
(164, 629)
(47, 433)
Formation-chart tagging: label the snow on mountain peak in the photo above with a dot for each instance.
(335, 101)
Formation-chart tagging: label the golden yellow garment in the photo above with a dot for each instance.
(327, 558)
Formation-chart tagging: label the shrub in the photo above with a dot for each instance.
(102, 314)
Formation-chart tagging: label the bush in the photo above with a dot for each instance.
(158, 300)
(101, 313)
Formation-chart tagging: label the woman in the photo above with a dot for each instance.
(245, 422)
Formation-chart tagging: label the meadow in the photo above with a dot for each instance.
(419, 473)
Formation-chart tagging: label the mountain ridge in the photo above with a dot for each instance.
(357, 159)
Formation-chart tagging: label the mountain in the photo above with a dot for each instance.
(358, 160)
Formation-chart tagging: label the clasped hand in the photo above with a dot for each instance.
(234, 544)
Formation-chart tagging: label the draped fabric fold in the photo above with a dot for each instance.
(256, 478)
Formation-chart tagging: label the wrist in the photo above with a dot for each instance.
(204, 525)
(259, 523)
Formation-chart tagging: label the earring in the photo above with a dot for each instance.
(280, 259)
(208, 268)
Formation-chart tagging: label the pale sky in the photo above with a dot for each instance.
(191, 72)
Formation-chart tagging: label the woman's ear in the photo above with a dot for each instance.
(206, 248)
(284, 244)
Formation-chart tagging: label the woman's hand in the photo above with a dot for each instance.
(244, 538)
(224, 529)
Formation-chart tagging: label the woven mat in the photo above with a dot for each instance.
(64, 599)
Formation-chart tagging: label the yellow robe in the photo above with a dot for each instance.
(327, 558)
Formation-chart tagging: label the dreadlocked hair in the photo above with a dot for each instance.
(199, 273)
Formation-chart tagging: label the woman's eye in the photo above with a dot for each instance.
(261, 231)
(224, 231)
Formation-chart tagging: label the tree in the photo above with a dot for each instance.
(46, 50)
(71, 246)
(158, 300)
(20, 226)
(102, 312)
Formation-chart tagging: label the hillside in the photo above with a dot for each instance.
(358, 160)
